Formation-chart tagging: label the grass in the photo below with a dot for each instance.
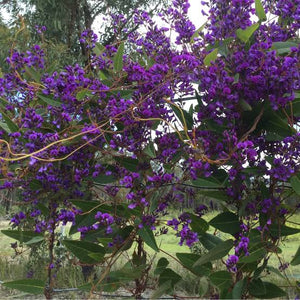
(71, 276)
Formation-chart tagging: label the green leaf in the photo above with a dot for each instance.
(217, 252)
(226, 222)
(211, 57)
(161, 265)
(256, 255)
(245, 34)
(49, 100)
(295, 183)
(118, 59)
(31, 286)
(221, 279)
(86, 205)
(10, 124)
(184, 117)
(283, 47)
(218, 195)
(245, 105)
(188, 260)
(162, 289)
(24, 236)
(104, 179)
(196, 33)
(207, 182)
(131, 164)
(167, 275)
(282, 230)
(198, 224)
(98, 49)
(260, 12)
(148, 237)
(265, 290)
(82, 250)
(239, 288)
(32, 74)
(150, 150)
(296, 259)
(209, 241)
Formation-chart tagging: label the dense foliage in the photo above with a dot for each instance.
(111, 148)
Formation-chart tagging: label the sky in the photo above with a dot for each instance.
(195, 13)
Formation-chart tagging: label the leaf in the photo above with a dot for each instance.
(239, 288)
(295, 183)
(196, 33)
(10, 124)
(49, 100)
(211, 57)
(207, 182)
(33, 74)
(221, 279)
(31, 286)
(131, 164)
(260, 12)
(198, 224)
(148, 237)
(296, 259)
(256, 255)
(98, 49)
(24, 236)
(104, 179)
(283, 47)
(188, 260)
(118, 59)
(150, 150)
(282, 230)
(86, 205)
(265, 290)
(82, 250)
(161, 265)
(185, 118)
(226, 222)
(209, 241)
(245, 34)
(215, 253)
(162, 289)
(257, 288)
(167, 275)
(218, 195)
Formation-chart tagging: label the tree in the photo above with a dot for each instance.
(66, 20)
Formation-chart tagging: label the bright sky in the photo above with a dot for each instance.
(195, 13)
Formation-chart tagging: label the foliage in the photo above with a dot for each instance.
(110, 148)
(65, 20)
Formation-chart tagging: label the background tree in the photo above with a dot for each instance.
(65, 20)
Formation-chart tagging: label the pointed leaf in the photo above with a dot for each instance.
(295, 183)
(260, 12)
(118, 59)
(82, 250)
(218, 252)
(296, 259)
(221, 279)
(31, 286)
(167, 275)
(49, 100)
(282, 230)
(198, 224)
(148, 237)
(211, 57)
(209, 241)
(226, 222)
(245, 34)
(13, 127)
(24, 236)
(161, 265)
